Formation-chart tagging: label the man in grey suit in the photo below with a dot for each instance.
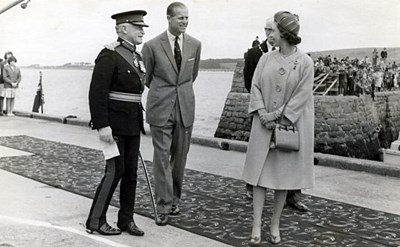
(172, 62)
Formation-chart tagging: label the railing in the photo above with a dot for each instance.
(320, 83)
(329, 88)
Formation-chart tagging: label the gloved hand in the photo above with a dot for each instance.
(266, 117)
(270, 125)
(105, 134)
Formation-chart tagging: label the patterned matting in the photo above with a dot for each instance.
(213, 206)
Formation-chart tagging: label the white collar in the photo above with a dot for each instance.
(171, 37)
(269, 46)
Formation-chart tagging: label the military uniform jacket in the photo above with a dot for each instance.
(112, 72)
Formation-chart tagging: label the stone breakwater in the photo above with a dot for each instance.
(349, 126)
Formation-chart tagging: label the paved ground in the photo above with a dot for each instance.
(34, 214)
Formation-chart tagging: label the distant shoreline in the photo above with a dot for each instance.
(91, 68)
(229, 64)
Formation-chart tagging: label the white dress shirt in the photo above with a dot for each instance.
(171, 39)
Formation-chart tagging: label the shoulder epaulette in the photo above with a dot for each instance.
(112, 45)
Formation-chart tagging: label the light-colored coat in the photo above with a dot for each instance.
(273, 82)
(166, 84)
(11, 76)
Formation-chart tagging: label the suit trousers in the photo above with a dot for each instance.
(122, 168)
(171, 144)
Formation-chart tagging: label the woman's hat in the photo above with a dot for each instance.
(288, 21)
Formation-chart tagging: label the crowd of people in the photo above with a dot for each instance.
(10, 77)
(361, 76)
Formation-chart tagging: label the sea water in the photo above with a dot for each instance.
(66, 93)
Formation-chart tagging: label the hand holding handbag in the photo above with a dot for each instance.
(285, 136)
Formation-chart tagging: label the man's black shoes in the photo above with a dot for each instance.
(132, 229)
(105, 229)
(298, 206)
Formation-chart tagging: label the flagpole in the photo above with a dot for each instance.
(38, 101)
(41, 92)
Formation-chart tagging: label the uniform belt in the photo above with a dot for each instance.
(127, 97)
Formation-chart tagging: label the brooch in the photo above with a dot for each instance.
(295, 63)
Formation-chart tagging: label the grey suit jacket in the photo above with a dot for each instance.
(165, 83)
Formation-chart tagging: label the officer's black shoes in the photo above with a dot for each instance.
(105, 229)
(132, 229)
(162, 219)
(298, 206)
(175, 210)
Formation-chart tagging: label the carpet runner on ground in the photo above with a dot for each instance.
(212, 206)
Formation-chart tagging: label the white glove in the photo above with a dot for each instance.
(105, 134)
(266, 117)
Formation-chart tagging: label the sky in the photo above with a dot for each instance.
(55, 32)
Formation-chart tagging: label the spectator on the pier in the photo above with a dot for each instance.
(397, 79)
(342, 79)
(394, 65)
(327, 60)
(12, 78)
(363, 79)
(116, 113)
(377, 79)
(335, 61)
(172, 62)
(287, 70)
(255, 42)
(375, 56)
(381, 63)
(384, 55)
(2, 63)
(389, 79)
(351, 74)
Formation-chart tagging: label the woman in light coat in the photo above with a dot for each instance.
(12, 78)
(281, 76)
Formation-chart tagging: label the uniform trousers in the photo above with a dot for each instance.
(121, 168)
(171, 144)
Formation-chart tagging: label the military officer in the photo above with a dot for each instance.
(116, 113)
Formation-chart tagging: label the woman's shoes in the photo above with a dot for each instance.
(255, 241)
(275, 239)
(105, 229)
